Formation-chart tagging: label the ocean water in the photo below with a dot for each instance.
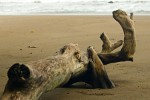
(72, 7)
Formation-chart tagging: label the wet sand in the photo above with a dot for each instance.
(27, 38)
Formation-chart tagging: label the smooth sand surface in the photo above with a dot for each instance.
(46, 34)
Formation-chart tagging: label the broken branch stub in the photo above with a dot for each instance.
(107, 46)
(98, 73)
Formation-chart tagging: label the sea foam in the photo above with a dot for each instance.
(71, 7)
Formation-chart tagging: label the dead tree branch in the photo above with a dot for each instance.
(129, 45)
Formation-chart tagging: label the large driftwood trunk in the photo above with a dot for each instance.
(69, 65)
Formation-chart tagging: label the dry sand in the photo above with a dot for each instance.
(48, 33)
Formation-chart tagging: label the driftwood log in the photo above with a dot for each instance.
(69, 65)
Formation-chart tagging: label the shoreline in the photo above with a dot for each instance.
(67, 14)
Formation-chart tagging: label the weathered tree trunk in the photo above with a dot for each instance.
(70, 65)
(29, 81)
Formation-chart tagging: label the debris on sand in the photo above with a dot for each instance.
(110, 2)
(32, 47)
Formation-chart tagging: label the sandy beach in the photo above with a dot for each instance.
(28, 38)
